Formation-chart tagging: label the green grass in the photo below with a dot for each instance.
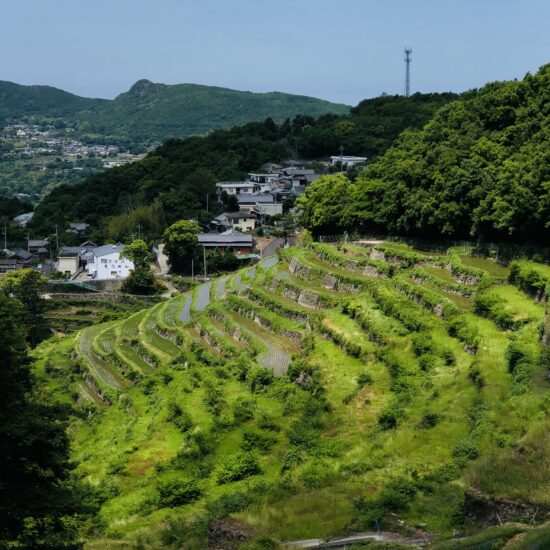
(381, 351)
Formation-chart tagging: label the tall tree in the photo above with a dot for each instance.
(37, 507)
(26, 285)
(180, 241)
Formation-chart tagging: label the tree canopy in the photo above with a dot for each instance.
(180, 240)
(479, 169)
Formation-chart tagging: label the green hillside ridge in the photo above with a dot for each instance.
(150, 113)
(478, 169)
(293, 405)
(179, 174)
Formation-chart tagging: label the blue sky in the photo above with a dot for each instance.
(341, 50)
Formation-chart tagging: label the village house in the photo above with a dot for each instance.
(38, 248)
(346, 162)
(236, 242)
(105, 262)
(241, 221)
(262, 204)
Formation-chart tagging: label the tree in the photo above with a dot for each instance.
(138, 253)
(325, 204)
(26, 285)
(180, 240)
(38, 504)
(141, 280)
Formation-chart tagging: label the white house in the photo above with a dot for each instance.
(234, 187)
(347, 162)
(104, 262)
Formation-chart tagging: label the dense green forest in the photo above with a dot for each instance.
(479, 169)
(173, 181)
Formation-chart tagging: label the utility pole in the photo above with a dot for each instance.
(204, 260)
(139, 230)
(56, 238)
(341, 158)
(408, 59)
(206, 202)
(5, 237)
(192, 269)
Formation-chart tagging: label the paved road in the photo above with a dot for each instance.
(364, 537)
(186, 311)
(272, 247)
(203, 296)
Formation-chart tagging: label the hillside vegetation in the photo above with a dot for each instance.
(180, 174)
(334, 390)
(150, 113)
(479, 168)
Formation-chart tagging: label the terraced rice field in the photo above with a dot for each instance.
(358, 385)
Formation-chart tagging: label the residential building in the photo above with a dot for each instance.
(11, 264)
(262, 204)
(241, 221)
(236, 242)
(346, 162)
(105, 262)
(78, 228)
(37, 246)
(234, 187)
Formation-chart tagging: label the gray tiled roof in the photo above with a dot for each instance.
(107, 249)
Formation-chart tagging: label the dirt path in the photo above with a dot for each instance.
(162, 261)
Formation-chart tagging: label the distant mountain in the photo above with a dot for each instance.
(17, 101)
(151, 112)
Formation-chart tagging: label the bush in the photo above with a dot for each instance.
(259, 378)
(175, 490)
(243, 410)
(364, 379)
(261, 441)
(466, 449)
(180, 418)
(238, 466)
(229, 504)
(429, 420)
(317, 474)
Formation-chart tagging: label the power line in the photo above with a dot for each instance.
(408, 59)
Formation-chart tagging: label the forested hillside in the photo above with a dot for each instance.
(18, 101)
(479, 169)
(172, 182)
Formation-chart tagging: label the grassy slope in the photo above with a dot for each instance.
(128, 447)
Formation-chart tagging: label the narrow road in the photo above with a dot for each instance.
(203, 297)
(186, 310)
(272, 247)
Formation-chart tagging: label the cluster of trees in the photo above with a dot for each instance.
(40, 504)
(479, 169)
(174, 181)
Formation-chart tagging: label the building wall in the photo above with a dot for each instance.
(69, 265)
(244, 224)
(111, 266)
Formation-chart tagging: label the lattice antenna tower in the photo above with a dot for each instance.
(408, 59)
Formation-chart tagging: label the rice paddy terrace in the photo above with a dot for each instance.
(329, 391)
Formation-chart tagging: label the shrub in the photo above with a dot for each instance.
(291, 459)
(238, 466)
(175, 490)
(257, 440)
(259, 378)
(180, 418)
(229, 504)
(243, 410)
(364, 379)
(466, 449)
(429, 420)
(317, 474)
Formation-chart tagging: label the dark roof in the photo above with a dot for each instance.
(70, 251)
(253, 198)
(239, 215)
(227, 238)
(38, 242)
(20, 253)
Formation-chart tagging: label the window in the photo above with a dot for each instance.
(103, 261)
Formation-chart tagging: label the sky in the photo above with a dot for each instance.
(340, 50)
